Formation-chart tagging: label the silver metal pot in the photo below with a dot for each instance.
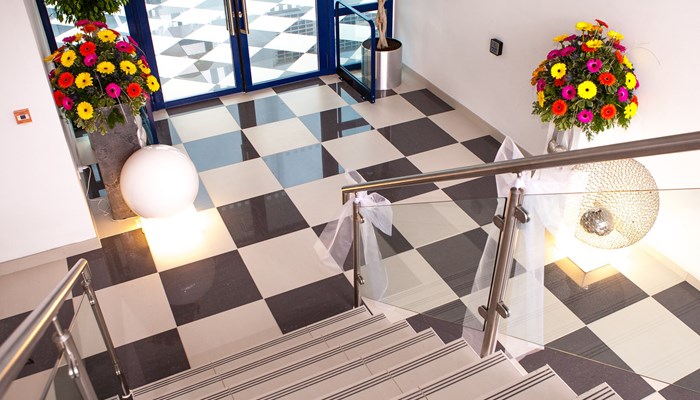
(388, 65)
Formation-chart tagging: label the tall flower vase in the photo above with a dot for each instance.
(560, 141)
(111, 151)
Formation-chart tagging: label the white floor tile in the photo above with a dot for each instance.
(280, 136)
(409, 82)
(292, 42)
(171, 66)
(261, 74)
(459, 125)
(239, 181)
(312, 100)
(30, 387)
(203, 124)
(452, 156)
(422, 223)
(127, 318)
(362, 150)
(175, 89)
(319, 201)
(291, 256)
(646, 271)
(211, 33)
(202, 235)
(85, 331)
(243, 97)
(305, 63)
(387, 111)
(228, 332)
(221, 53)
(648, 338)
(23, 290)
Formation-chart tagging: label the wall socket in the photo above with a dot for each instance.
(496, 47)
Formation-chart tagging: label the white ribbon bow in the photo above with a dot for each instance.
(335, 241)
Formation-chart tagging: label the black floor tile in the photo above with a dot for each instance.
(260, 112)
(220, 150)
(311, 303)
(336, 123)
(347, 92)
(122, 258)
(582, 374)
(595, 301)
(426, 102)
(683, 300)
(307, 83)
(395, 169)
(585, 343)
(484, 147)
(303, 165)
(45, 353)
(416, 136)
(456, 259)
(691, 381)
(208, 287)
(477, 198)
(391, 245)
(261, 218)
(163, 132)
(198, 106)
(447, 331)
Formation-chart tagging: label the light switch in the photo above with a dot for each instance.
(22, 116)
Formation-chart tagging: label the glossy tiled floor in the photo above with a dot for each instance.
(271, 165)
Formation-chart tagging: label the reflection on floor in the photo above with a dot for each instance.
(271, 165)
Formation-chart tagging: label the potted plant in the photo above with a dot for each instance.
(100, 82)
(387, 56)
(91, 10)
(587, 83)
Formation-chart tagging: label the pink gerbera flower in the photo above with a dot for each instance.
(585, 116)
(67, 103)
(90, 59)
(113, 90)
(594, 65)
(568, 92)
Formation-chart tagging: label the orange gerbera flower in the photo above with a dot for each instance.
(133, 90)
(559, 107)
(619, 57)
(606, 78)
(635, 100)
(608, 111)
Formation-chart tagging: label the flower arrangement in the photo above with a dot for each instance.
(588, 82)
(97, 69)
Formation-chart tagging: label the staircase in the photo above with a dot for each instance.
(356, 355)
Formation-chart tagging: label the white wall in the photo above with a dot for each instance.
(42, 206)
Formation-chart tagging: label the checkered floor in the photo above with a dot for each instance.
(271, 164)
(193, 49)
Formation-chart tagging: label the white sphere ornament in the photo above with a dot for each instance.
(159, 181)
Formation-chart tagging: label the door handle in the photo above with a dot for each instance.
(228, 10)
(244, 14)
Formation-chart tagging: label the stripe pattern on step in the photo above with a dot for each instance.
(533, 380)
(450, 380)
(600, 392)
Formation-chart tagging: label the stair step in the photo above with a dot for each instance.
(408, 375)
(356, 317)
(355, 370)
(468, 382)
(541, 384)
(400, 332)
(600, 392)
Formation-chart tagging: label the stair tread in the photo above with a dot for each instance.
(264, 349)
(600, 392)
(541, 384)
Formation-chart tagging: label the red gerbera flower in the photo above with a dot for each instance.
(559, 107)
(619, 57)
(608, 111)
(587, 49)
(559, 82)
(133, 90)
(601, 23)
(65, 79)
(87, 48)
(606, 78)
(58, 97)
(635, 100)
(89, 28)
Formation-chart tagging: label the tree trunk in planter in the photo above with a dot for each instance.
(112, 150)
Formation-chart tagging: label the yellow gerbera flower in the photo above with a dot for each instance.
(143, 67)
(584, 26)
(594, 43)
(105, 67)
(615, 35)
(78, 36)
(128, 67)
(587, 90)
(85, 110)
(83, 80)
(540, 98)
(106, 36)
(630, 80)
(627, 62)
(68, 58)
(630, 110)
(152, 83)
(558, 70)
(560, 38)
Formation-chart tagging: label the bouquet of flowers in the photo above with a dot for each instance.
(95, 70)
(588, 82)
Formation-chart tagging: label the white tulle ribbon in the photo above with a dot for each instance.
(546, 210)
(335, 241)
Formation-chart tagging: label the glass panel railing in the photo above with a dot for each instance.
(613, 279)
(430, 263)
(353, 32)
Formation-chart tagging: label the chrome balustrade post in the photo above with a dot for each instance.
(495, 308)
(126, 392)
(356, 251)
(76, 368)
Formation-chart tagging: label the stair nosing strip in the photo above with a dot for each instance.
(468, 371)
(604, 391)
(281, 339)
(361, 386)
(523, 385)
(399, 346)
(424, 359)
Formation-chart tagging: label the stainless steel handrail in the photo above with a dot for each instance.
(639, 148)
(15, 351)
